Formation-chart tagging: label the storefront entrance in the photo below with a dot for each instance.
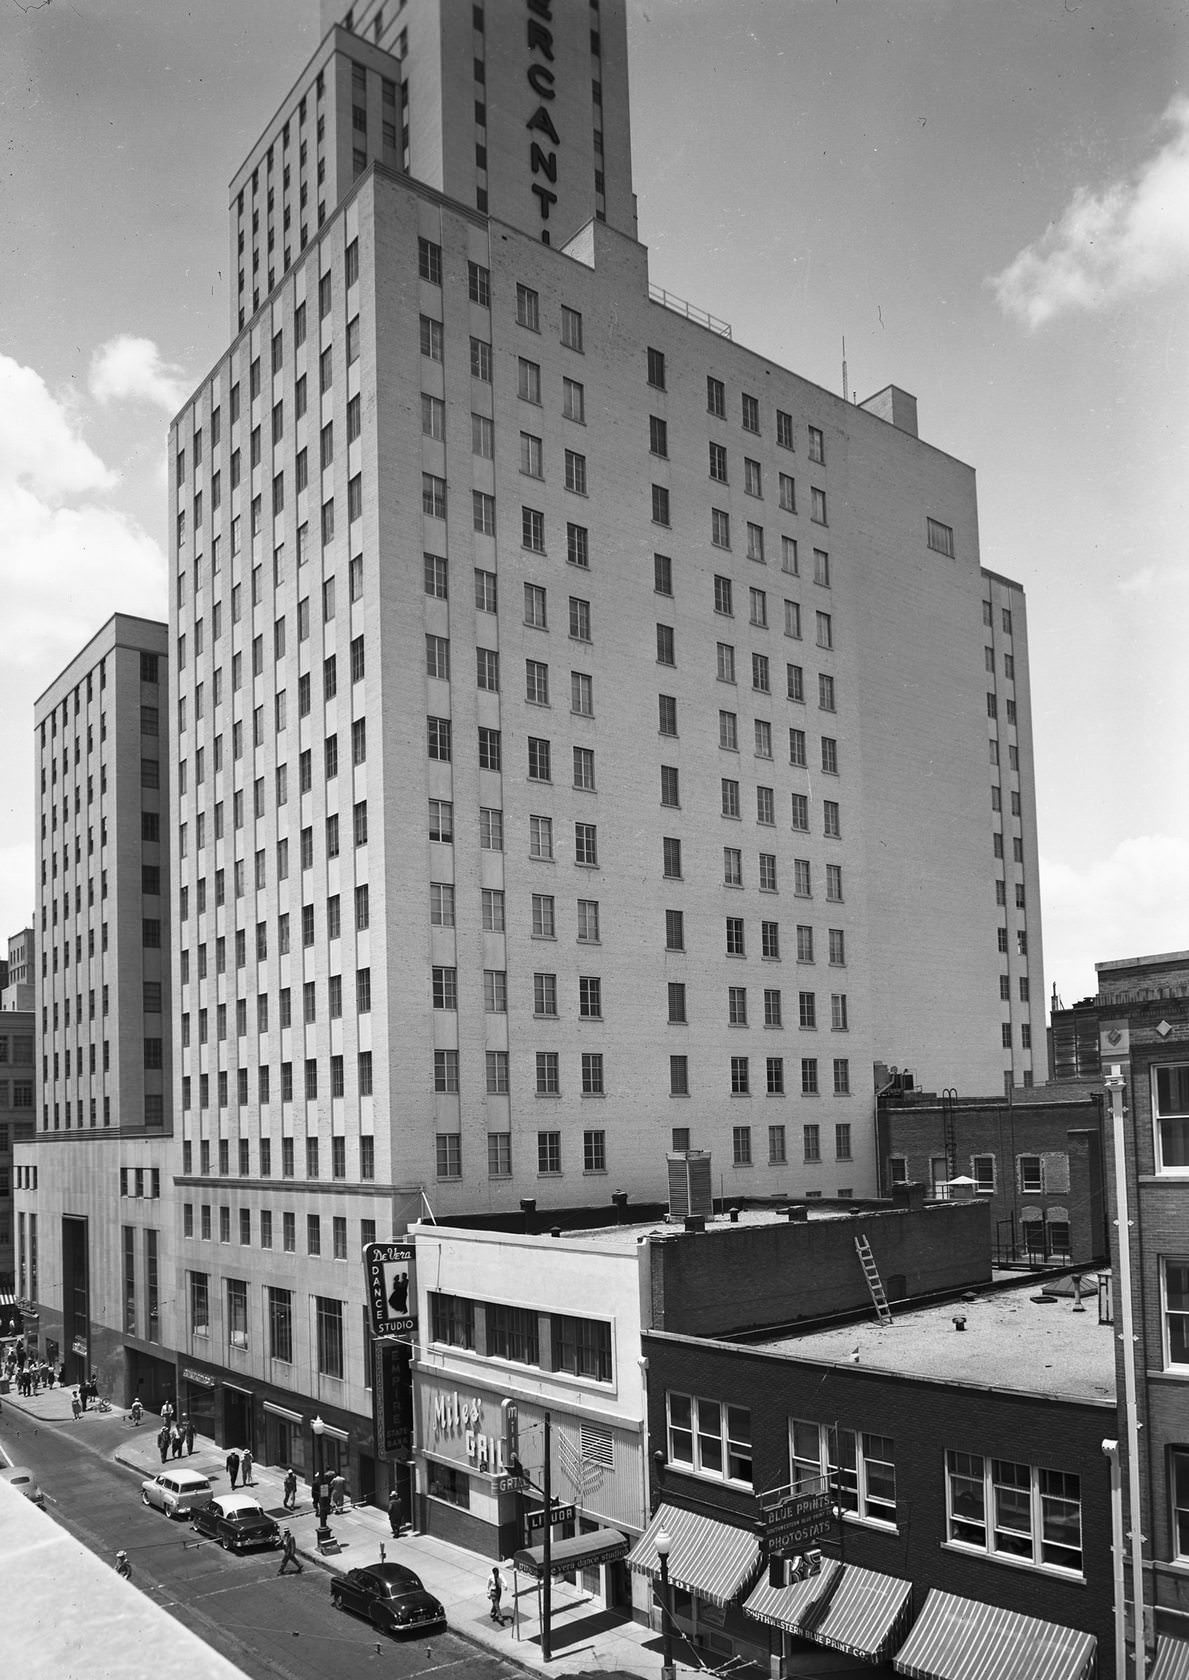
(238, 1424)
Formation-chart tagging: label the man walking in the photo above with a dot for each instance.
(163, 1442)
(233, 1467)
(290, 1486)
(245, 1467)
(289, 1554)
(395, 1513)
(495, 1591)
(189, 1435)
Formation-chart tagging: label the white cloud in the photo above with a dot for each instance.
(1127, 237)
(68, 560)
(39, 445)
(1132, 903)
(131, 368)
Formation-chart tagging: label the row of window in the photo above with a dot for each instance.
(552, 1341)
(1017, 1512)
(84, 691)
(329, 1350)
(264, 1157)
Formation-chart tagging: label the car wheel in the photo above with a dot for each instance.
(144, 1498)
(226, 1542)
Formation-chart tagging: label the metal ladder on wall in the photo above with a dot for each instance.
(874, 1283)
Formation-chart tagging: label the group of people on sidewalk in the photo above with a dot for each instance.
(240, 1467)
(172, 1437)
(29, 1376)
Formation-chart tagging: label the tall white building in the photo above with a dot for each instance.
(594, 739)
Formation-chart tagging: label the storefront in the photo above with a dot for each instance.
(470, 1440)
(709, 1565)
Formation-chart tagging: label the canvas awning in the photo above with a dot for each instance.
(713, 1559)
(580, 1551)
(867, 1613)
(1172, 1659)
(960, 1639)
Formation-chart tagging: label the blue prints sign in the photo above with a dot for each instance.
(391, 1297)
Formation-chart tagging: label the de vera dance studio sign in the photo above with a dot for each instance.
(391, 1296)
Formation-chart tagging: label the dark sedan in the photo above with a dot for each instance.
(237, 1522)
(390, 1596)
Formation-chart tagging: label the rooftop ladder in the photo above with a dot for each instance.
(874, 1283)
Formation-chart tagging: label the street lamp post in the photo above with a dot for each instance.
(662, 1542)
(321, 1498)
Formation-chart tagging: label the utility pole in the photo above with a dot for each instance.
(547, 1556)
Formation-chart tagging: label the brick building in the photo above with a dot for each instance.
(1035, 1158)
(963, 1445)
(1142, 1008)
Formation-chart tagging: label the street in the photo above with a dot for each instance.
(266, 1624)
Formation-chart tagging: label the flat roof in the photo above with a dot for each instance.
(1012, 1342)
(629, 1236)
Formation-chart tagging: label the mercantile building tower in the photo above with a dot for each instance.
(594, 741)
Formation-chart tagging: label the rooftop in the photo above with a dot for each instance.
(625, 1238)
(1015, 1341)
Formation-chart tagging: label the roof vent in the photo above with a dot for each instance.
(690, 1187)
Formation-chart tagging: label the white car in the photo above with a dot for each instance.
(24, 1481)
(177, 1492)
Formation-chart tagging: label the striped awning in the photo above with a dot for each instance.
(713, 1559)
(959, 1639)
(1172, 1659)
(866, 1616)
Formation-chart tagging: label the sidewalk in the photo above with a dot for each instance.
(586, 1640)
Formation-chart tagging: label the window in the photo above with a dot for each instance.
(732, 866)
(479, 284)
(829, 755)
(679, 1076)
(737, 1006)
(940, 537)
(543, 916)
(573, 401)
(441, 820)
(1015, 1511)
(528, 308)
(429, 261)
(329, 1321)
(709, 1438)
(740, 1077)
(674, 930)
(758, 601)
(448, 1154)
(1031, 1175)
(716, 397)
(750, 413)
(575, 471)
(658, 436)
(723, 597)
(586, 847)
(571, 328)
(1170, 1112)
(753, 479)
(817, 506)
(730, 797)
(445, 1071)
(480, 355)
(660, 505)
(859, 1466)
(720, 528)
(528, 380)
(809, 1086)
(811, 1137)
(490, 756)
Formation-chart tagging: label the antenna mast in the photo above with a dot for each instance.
(845, 388)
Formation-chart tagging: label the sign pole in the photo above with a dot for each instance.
(547, 1555)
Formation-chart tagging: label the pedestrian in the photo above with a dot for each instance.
(245, 1467)
(289, 1554)
(167, 1411)
(495, 1591)
(62, 1375)
(176, 1440)
(395, 1513)
(123, 1567)
(338, 1493)
(290, 1486)
(137, 1410)
(233, 1467)
(75, 1407)
(163, 1442)
(189, 1429)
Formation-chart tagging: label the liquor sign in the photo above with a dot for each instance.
(391, 1298)
(798, 1520)
(559, 1514)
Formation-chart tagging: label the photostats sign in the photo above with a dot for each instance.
(391, 1297)
(797, 1521)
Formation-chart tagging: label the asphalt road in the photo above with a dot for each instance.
(271, 1626)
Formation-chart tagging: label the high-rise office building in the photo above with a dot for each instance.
(594, 739)
(90, 1215)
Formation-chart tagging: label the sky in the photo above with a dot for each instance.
(990, 203)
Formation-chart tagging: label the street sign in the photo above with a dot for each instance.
(391, 1301)
(798, 1520)
(509, 1484)
(559, 1514)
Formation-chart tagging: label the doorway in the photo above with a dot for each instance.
(238, 1428)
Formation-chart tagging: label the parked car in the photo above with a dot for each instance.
(177, 1492)
(24, 1481)
(237, 1522)
(390, 1596)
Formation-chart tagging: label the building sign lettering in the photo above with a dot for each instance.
(459, 1417)
(541, 79)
